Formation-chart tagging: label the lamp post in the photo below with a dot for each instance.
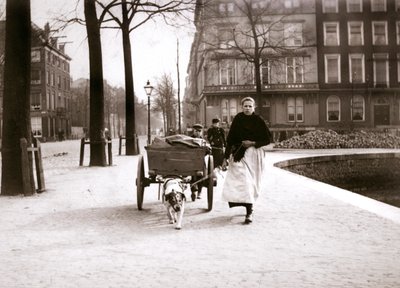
(148, 88)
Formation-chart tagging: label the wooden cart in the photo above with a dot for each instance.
(176, 161)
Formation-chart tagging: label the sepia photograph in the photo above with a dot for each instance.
(200, 143)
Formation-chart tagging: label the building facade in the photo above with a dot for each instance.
(326, 63)
(50, 85)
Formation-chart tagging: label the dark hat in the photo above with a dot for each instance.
(198, 126)
(215, 120)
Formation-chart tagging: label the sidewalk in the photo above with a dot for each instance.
(85, 231)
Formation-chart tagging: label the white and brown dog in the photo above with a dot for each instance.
(174, 200)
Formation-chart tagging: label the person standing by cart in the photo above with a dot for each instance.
(247, 134)
(195, 188)
(216, 138)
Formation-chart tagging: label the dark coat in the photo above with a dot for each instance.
(216, 137)
(246, 127)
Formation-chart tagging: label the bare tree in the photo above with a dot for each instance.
(165, 100)
(128, 16)
(256, 33)
(97, 151)
(16, 102)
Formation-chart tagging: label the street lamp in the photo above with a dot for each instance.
(148, 88)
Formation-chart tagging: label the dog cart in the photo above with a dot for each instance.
(177, 162)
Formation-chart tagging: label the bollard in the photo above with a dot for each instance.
(39, 166)
(109, 146)
(82, 152)
(27, 171)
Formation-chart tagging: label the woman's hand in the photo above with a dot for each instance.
(224, 165)
(248, 143)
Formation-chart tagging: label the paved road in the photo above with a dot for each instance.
(85, 231)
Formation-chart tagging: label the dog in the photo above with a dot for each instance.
(174, 200)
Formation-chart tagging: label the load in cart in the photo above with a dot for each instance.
(177, 156)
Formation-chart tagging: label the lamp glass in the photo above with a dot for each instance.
(148, 88)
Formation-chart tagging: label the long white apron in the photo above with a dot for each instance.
(243, 179)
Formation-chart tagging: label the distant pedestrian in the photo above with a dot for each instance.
(247, 134)
(197, 131)
(216, 138)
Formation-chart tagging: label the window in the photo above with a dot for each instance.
(226, 39)
(356, 64)
(36, 125)
(292, 4)
(53, 103)
(35, 77)
(379, 33)
(229, 110)
(226, 7)
(295, 106)
(329, 6)
(398, 32)
(261, 4)
(381, 69)
(398, 67)
(378, 5)
(53, 79)
(294, 70)
(59, 82)
(35, 101)
(332, 68)
(35, 56)
(48, 80)
(265, 72)
(293, 33)
(262, 31)
(227, 72)
(356, 35)
(48, 95)
(331, 34)
(357, 108)
(354, 6)
(333, 108)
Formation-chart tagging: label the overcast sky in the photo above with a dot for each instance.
(154, 47)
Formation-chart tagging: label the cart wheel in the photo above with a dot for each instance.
(140, 182)
(210, 182)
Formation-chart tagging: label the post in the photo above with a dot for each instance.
(27, 173)
(148, 121)
(120, 145)
(109, 146)
(39, 167)
(82, 154)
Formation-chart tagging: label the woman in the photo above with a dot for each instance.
(247, 134)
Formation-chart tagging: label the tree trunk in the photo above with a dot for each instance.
(131, 137)
(97, 141)
(16, 101)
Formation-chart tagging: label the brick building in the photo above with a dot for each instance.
(50, 84)
(335, 65)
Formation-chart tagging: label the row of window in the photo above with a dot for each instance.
(293, 69)
(356, 33)
(292, 34)
(51, 59)
(328, 6)
(229, 7)
(354, 6)
(51, 79)
(295, 109)
(53, 101)
(357, 69)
